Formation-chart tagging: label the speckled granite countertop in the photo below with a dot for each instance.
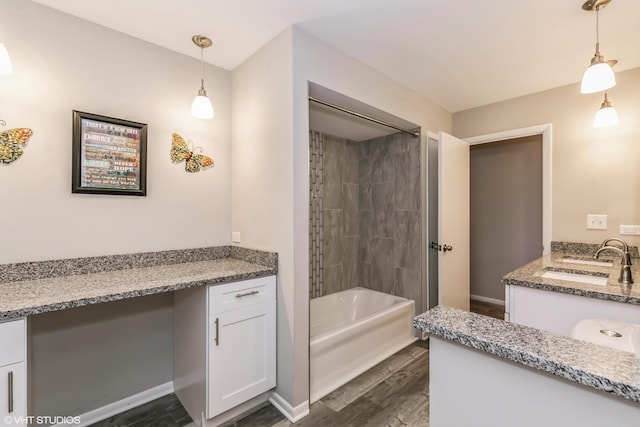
(603, 368)
(38, 287)
(529, 276)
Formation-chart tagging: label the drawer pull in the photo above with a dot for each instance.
(246, 294)
(10, 375)
(217, 331)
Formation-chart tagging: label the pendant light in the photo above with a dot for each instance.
(201, 107)
(606, 115)
(5, 61)
(599, 75)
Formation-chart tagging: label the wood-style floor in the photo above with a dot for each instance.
(392, 393)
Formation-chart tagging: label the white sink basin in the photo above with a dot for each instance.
(587, 262)
(611, 333)
(575, 277)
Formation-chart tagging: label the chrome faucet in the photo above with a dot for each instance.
(625, 247)
(625, 268)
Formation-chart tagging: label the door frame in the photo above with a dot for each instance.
(546, 131)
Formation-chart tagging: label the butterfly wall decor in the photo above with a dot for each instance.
(193, 162)
(11, 141)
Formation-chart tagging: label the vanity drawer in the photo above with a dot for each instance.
(12, 341)
(241, 294)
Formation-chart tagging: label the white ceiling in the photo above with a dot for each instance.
(458, 53)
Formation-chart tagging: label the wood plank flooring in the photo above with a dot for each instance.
(391, 394)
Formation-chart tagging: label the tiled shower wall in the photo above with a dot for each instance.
(365, 222)
(390, 218)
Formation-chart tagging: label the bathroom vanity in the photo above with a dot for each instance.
(224, 319)
(528, 370)
(557, 291)
(485, 372)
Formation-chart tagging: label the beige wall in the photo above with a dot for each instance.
(62, 63)
(593, 170)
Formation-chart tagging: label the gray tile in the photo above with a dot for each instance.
(332, 173)
(350, 207)
(364, 274)
(409, 285)
(332, 282)
(350, 247)
(406, 193)
(350, 171)
(382, 266)
(364, 196)
(332, 236)
(366, 223)
(382, 207)
(407, 237)
(381, 161)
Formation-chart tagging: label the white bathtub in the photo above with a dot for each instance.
(353, 330)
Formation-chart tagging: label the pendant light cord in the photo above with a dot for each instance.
(598, 25)
(201, 67)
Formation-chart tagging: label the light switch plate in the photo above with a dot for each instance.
(596, 222)
(630, 230)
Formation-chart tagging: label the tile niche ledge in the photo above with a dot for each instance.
(37, 287)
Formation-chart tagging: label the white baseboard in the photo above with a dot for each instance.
(125, 404)
(292, 414)
(489, 300)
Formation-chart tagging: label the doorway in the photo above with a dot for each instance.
(506, 211)
(544, 134)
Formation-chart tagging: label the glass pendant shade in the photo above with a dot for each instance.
(606, 115)
(5, 61)
(201, 107)
(598, 77)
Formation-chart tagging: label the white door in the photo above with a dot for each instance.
(453, 222)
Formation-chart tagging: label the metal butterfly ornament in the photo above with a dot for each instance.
(11, 141)
(193, 162)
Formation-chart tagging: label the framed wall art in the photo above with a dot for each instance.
(109, 155)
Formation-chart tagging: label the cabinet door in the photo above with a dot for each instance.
(13, 393)
(242, 350)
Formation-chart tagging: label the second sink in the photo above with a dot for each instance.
(581, 277)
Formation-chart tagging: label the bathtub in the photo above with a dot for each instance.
(353, 330)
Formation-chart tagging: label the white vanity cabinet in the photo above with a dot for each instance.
(224, 346)
(13, 378)
(559, 312)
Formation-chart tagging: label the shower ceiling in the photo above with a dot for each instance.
(460, 54)
(328, 120)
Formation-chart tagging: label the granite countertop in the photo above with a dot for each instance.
(39, 287)
(529, 276)
(603, 368)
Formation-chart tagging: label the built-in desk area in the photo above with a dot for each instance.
(201, 280)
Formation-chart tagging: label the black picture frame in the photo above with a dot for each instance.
(109, 155)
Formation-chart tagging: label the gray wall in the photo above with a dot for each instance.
(371, 224)
(506, 210)
(87, 357)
